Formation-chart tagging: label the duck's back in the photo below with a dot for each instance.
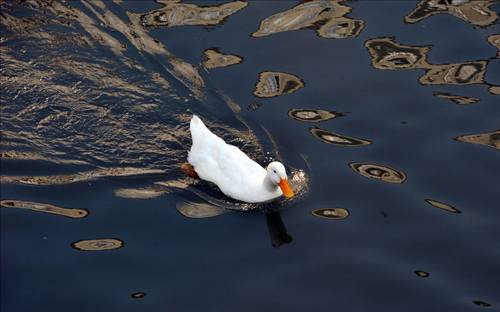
(223, 164)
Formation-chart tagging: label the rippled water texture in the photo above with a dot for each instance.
(385, 114)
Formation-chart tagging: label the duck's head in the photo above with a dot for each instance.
(277, 175)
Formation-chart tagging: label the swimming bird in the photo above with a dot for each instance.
(236, 175)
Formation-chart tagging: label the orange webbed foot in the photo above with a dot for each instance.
(188, 169)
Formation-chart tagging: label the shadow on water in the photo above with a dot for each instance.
(277, 229)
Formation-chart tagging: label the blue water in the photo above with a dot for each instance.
(365, 262)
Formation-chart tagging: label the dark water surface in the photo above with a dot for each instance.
(386, 111)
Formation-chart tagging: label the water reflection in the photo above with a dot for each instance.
(78, 177)
(494, 90)
(379, 172)
(67, 212)
(331, 213)
(387, 54)
(276, 83)
(457, 99)
(475, 12)
(198, 210)
(495, 40)
(491, 139)
(213, 58)
(442, 205)
(312, 115)
(141, 193)
(422, 274)
(326, 17)
(175, 13)
(26, 155)
(138, 295)
(337, 139)
(97, 244)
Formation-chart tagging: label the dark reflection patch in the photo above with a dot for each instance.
(67, 212)
(475, 12)
(422, 274)
(337, 139)
(181, 14)
(276, 83)
(312, 115)
(379, 172)
(98, 244)
(491, 139)
(138, 295)
(481, 303)
(442, 205)
(457, 99)
(198, 210)
(331, 213)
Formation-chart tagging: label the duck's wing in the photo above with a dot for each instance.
(216, 161)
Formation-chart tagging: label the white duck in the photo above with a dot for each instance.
(236, 175)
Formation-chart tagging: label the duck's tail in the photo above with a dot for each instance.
(195, 120)
(196, 123)
(198, 129)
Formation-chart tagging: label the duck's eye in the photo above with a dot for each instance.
(274, 171)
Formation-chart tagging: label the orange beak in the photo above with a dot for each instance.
(285, 188)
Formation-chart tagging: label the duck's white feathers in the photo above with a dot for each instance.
(233, 171)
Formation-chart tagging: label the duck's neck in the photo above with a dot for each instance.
(269, 184)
